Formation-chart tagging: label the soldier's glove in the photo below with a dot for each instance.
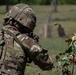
(41, 58)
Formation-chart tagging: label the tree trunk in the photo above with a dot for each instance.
(7, 6)
(55, 4)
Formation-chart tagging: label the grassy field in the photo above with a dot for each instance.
(66, 16)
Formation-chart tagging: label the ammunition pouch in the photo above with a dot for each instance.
(8, 67)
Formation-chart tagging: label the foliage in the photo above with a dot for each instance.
(67, 1)
(69, 57)
(26, 1)
(37, 2)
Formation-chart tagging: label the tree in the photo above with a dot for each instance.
(40, 2)
(54, 3)
(7, 5)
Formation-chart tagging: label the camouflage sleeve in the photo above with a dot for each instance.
(36, 53)
(40, 57)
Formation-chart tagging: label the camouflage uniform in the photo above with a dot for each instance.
(13, 60)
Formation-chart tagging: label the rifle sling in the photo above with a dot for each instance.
(24, 48)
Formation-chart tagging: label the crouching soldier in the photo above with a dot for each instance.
(18, 43)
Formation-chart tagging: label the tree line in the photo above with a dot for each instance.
(36, 2)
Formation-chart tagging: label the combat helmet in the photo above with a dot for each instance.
(23, 14)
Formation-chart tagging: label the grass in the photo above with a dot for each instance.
(66, 16)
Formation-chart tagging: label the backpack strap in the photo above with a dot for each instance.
(24, 48)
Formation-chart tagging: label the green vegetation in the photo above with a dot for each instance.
(66, 16)
(37, 2)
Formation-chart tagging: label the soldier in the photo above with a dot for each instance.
(18, 43)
